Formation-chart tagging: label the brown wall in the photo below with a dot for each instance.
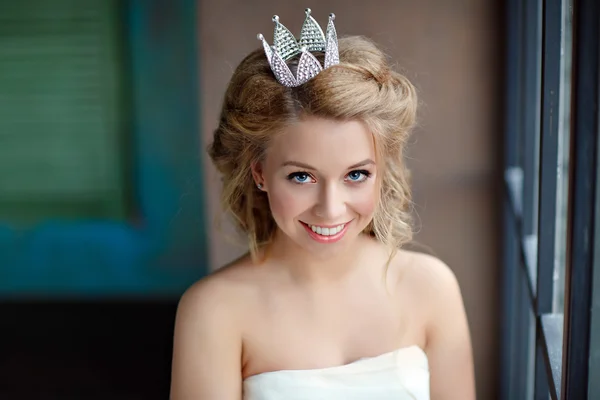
(452, 51)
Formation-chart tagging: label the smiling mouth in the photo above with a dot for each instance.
(326, 230)
(326, 234)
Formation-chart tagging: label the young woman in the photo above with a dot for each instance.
(327, 304)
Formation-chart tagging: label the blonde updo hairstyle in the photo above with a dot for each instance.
(362, 87)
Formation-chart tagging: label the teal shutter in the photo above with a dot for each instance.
(61, 132)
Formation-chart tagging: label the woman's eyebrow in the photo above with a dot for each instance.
(362, 163)
(306, 166)
(297, 164)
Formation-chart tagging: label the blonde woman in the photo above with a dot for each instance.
(327, 304)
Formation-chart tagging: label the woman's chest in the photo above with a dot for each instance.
(297, 332)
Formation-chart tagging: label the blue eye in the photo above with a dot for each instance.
(299, 177)
(358, 175)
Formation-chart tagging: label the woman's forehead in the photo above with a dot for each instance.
(316, 138)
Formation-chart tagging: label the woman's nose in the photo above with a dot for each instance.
(331, 206)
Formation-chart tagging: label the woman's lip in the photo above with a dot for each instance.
(326, 226)
(326, 239)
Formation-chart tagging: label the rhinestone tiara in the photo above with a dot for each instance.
(285, 46)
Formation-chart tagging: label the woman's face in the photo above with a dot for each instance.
(320, 177)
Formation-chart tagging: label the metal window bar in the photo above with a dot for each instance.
(594, 387)
(576, 352)
(523, 97)
(547, 204)
(547, 207)
(530, 104)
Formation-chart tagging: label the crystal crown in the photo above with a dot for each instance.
(285, 46)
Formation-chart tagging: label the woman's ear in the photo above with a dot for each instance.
(257, 175)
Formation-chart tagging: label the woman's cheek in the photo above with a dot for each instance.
(364, 202)
(285, 203)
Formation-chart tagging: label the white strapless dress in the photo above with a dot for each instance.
(397, 375)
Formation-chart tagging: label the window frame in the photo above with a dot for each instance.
(161, 248)
(583, 202)
(561, 365)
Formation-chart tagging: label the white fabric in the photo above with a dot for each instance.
(398, 375)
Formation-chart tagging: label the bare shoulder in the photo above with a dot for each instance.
(448, 344)
(221, 289)
(433, 286)
(207, 342)
(426, 274)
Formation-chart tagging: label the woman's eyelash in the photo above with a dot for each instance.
(302, 176)
(362, 171)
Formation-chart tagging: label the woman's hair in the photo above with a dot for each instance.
(362, 87)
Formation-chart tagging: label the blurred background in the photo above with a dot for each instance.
(109, 206)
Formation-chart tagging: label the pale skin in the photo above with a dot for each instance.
(312, 305)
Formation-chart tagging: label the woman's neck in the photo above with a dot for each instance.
(308, 267)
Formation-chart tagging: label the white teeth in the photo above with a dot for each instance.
(326, 231)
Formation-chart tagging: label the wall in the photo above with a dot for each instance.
(452, 51)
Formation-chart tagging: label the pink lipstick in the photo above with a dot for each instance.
(326, 239)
